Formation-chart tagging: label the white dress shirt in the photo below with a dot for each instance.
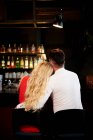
(65, 88)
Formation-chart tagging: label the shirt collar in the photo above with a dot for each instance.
(60, 69)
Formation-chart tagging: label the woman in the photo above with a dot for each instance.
(36, 86)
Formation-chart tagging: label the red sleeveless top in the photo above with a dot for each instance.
(22, 88)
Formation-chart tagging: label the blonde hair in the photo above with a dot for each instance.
(36, 84)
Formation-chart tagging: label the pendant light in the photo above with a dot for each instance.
(58, 21)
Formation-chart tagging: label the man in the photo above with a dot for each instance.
(66, 95)
(64, 84)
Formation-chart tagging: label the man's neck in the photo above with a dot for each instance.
(56, 68)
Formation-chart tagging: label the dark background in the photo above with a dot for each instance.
(19, 23)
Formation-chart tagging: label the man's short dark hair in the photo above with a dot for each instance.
(57, 55)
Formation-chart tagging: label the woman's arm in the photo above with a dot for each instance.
(21, 105)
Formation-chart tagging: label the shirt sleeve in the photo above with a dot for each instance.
(77, 87)
(48, 91)
(78, 82)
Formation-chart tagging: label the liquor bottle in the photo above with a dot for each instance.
(14, 75)
(33, 49)
(1, 81)
(35, 62)
(43, 57)
(21, 62)
(3, 48)
(17, 62)
(26, 62)
(9, 50)
(6, 75)
(8, 62)
(20, 48)
(3, 62)
(14, 48)
(31, 63)
(12, 62)
(39, 49)
(39, 59)
(42, 48)
(27, 48)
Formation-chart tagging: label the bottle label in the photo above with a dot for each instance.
(26, 63)
(3, 63)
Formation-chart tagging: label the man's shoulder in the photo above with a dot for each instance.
(52, 78)
(71, 72)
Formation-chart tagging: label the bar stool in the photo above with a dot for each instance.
(26, 125)
(69, 125)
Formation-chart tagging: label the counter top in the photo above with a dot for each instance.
(8, 97)
(9, 91)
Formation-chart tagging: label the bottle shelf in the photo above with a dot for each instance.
(18, 60)
(16, 69)
(21, 54)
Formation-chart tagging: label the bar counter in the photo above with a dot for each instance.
(8, 97)
(8, 101)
